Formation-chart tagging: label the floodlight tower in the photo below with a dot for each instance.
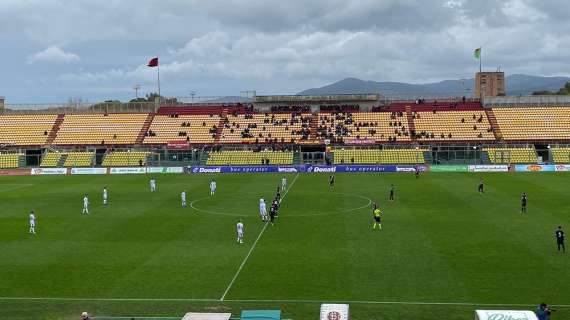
(137, 87)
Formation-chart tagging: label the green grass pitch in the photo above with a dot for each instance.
(444, 250)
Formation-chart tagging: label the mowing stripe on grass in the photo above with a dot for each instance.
(419, 303)
(254, 244)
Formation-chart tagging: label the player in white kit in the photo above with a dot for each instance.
(262, 210)
(32, 223)
(240, 230)
(213, 187)
(85, 205)
(183, 198)
(105, 196)
(152, 185)
(283, 184)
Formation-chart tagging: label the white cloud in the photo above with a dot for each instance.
(221, 47)
(53, 54)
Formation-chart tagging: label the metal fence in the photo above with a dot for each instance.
(80, 107)
(162, 156)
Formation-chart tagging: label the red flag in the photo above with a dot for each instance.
(153, 62)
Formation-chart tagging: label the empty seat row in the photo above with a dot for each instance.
(124, 158)
(376, 156)
(507, 155)
(25, 129)
(95, 129)
(243, 157)
(534, 123)
(10, 160)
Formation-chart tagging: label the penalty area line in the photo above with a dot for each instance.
(253, 246)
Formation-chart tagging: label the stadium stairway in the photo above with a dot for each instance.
(53, 133)
(22, 161)
(428, 156)
(411, 123)
(145, 127)
(62, 159)
(494, 124)
(485, 157)
(296, 158)
(223, 117)
(313, 126)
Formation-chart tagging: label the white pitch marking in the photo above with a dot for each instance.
(285, 301)
(254, 244)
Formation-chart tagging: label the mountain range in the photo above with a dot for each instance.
(517, 84)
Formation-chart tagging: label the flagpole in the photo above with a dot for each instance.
(158, 76)
(480, 58)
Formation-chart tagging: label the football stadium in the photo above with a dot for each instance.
(334, 204)
(443, 245)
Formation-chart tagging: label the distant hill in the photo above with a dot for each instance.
(517, 84)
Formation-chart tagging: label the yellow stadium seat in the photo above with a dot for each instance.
(376, 156)
(95, 129)
(51, 159)
(123, 158)
(462, 125)
(10, 160)
(560, 154)
(25, 129)
(244, 157)
(194, 129)
(534, 123)
(507, 155)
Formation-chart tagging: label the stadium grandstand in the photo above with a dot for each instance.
(288, 135)
(359, 129)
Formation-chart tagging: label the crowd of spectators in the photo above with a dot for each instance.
(340, 125)
(263, 129)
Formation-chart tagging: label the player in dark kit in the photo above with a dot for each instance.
(559, 234)
(392, 191)
(523, 202)
(481, 186)
(331, 182)
(272, 213)
(417, 172)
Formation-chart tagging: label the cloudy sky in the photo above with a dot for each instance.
(52, 50)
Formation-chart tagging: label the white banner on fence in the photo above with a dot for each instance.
(175, 170)
(207, 316)
(334, 311)
(563, 167)
(88, 170)
(504, 315)
(489, 168)
(165, 170)
(42, 171)
(132, 170)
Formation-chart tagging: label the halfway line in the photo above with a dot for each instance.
(254, 244)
